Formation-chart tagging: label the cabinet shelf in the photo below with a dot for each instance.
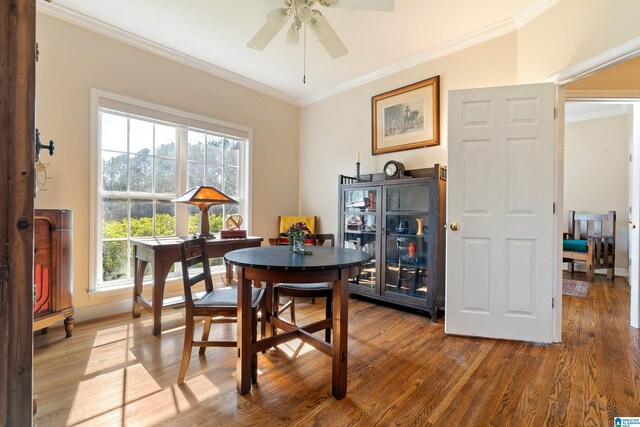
(408, 268)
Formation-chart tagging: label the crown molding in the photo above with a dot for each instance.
(532, 12)
(83, 21)
(610, 57)
(496, 30)
(618, 110)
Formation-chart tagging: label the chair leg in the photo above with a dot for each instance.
(328, 310)
(293, 310)
(263, 321)
(186, 350)
(254, 356)
(205, 334)
(589, 272)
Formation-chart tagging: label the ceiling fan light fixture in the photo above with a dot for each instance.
(304, 13)
(276, 17)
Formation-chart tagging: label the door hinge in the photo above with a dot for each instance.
(553, 303)
(554, 208)
(555, 113)
(4, 273)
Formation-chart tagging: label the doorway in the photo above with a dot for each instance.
(600, 136)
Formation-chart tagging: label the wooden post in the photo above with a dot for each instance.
(17, 103)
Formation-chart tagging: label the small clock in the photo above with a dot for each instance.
(393, 170)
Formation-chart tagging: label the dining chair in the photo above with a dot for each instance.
(306, 290)
(215, 305)
(286, 221)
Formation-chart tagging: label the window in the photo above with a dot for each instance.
(145, 156)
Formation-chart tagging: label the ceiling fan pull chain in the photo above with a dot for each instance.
(304, 57)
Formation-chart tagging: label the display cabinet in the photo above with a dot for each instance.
(400, 221)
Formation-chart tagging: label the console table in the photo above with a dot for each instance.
(161, 253)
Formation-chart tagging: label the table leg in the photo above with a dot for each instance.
(243, 367)
(157, 294)
(271, 307)
(138, 275)
(340, 335)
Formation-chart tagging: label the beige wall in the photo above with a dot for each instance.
(596, 177)
(72, 61)
(332, 130)
(622, 76)
(571, 32)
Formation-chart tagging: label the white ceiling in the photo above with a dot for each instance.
(211, 35)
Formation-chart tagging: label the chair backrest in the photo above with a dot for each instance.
(284, 222)
(323, 239)
(194, 252)
(583, 225)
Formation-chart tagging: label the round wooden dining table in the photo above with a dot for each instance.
(275, 264)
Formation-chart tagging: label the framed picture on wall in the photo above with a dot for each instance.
(406, 118)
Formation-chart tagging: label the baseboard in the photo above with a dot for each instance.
(621, 272)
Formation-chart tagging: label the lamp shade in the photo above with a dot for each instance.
(203, 197)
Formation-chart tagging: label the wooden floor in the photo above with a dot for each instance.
(403, 370)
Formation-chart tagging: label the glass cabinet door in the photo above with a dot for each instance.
(360, 210)
(407, 229)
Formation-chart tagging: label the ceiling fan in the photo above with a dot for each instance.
(301, 13)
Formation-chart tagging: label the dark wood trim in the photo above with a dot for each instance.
(17, 115)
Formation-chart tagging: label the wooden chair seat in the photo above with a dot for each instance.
(216, 306)
(591, 239)
(223, 298)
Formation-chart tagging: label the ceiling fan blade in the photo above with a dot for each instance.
(327, 36)
(275, 21)
(384, 5)
(292, 34)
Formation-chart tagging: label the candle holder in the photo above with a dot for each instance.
(357, 171)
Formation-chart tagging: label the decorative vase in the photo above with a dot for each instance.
(296, 245)
(419, 232)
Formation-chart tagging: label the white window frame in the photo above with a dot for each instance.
(101, 99)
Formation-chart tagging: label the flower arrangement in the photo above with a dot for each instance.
(296, 235)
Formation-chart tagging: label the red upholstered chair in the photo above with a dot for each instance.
(216, 305)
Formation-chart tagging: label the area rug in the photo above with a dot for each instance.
(575, 288)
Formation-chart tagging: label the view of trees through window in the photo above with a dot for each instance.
(140, 163)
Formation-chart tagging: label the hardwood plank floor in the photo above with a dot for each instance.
(403, 370)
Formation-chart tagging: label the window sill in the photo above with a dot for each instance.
(114, 291)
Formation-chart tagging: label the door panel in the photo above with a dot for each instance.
(500, 261)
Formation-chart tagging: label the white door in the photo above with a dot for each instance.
(500, 191)
(634, 218)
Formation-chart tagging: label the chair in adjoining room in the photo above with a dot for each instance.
(216, 305)
(284, 222)
(591, 239)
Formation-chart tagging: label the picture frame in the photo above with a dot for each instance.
(406, 118)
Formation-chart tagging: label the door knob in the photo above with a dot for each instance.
(632, 225)
(455, 226)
